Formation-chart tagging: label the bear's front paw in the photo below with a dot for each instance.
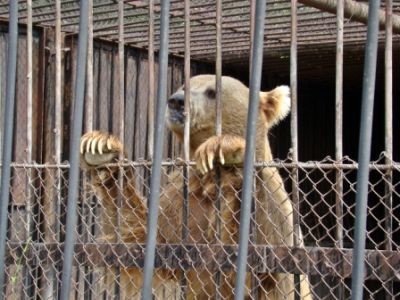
(225, 149)
(98, 148)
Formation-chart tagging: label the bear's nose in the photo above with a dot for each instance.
(177, 101)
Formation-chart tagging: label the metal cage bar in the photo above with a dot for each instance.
(339, 132)
(294, 136)
(365, 150)
(150, 53)
(186, 140)
(247, 187)
(8, 131)
(74, 152)
(389, 133)
(154, 198)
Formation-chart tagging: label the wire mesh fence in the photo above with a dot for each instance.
(302, 224)
(110, 234)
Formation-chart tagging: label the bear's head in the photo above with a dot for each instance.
(274, 106)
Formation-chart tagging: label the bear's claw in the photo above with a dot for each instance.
(99, 147)
(225, 149)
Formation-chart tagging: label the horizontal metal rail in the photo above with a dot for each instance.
(179, 163)
(380, 264)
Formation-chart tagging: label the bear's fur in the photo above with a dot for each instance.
(274, 220)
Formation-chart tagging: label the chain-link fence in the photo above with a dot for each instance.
(302, 219)
(111, 232)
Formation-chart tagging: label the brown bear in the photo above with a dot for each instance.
(273, 217)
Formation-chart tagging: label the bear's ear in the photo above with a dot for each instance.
(275, 104)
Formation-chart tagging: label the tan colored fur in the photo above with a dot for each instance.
(273, 208)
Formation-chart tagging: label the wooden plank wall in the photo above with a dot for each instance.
(48, 198)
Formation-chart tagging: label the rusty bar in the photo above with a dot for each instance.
(218, 68)
(252, 14)
(218, 120)
(389, 134)
(253, 223)
(218, 130)
(74, 152)
(8, 130)
(28, 282)
(381, 264)
(294, 136)
(121, 127)
(58, 102)
(247, 187)
(54, 206)
(339, 122)
(154, 198)
(186, 138)
(339, 134)
(88, 123)
(186, 141)
(89, 78)
(389, 116)
(275, 164)
(121, 70)
(364, 150)
(150, 108)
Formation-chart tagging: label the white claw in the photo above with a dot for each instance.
(88, 145)
(109, 144)
(100, 146)
(221, 157)
(204, 164)
(93, 145)
(210, 161)
(83, 145)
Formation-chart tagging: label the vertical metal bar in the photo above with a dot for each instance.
(87, 203)
(55, 207)
(29, 193)
(218, 130)
(255, 82)
(255, 282)
(150, 108)
(89, 78)
(186, 142)
(8, 130)
(389, 132)
(74, 151)
(154, 198)
(339, 132)
(364, 150)
(121, 105)
(294, 136)
(186, 135)
(58, 104)
(218, 68)
(121, 67)
(252, 14)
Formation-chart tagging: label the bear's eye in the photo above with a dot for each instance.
(210, 93)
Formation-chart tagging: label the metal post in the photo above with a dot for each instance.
(364, 150)
(294, 137)
(29, 193)
(121, 128)
(154, 198)
(218, 131)
(339, 132)
(389, 133)
(8, 131)
(54, 203)
(150, 108)
(186, 142)
(89, 272)
(255, 82)
(74, 152)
